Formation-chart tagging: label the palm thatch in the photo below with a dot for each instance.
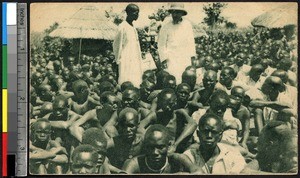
(278, 17)
(87, 23)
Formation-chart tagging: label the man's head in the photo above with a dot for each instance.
(41, 131)
(219, 102)
(130, 97)
(190, 78)
(210, 130)
(227, 76)
(272, 87)
(132, 12)
(285, 64)
(277, 148)
(281, 74)
(169, 82)
(109, 98)
(84, 160)
(238, 94)
(60, 108)
(146, 88)
(128, 123)
(149, 74)
(156, 144)
(96, 138)
(177, 11)
(105, 86)
(183, 91)
(209, 79)
(80, 89)
(256, 71)
(126, 85)
(240, 59)
(45, 92)
(167, 100)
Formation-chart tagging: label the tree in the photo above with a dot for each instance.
(116, 18)
(213, 12)
(160, 14)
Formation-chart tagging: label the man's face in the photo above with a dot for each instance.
(129, 127)
(210, 80)
(168, 102)
(81, 91)
(60, 110)
(130, 99)
(46, 93)
(83, 164)
(219, 107)
(113, 102)
(146, 89)
(176, 15)
(225, 77)
(101, 150)
(42, 131)
(210, 133)
(271, 90)
(157, 147)
(134, 13)
(238, 95)
(183, 93)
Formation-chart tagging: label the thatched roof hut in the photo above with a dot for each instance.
(87, 23)
(278, 17)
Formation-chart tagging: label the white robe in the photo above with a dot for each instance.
(176, 42)
(128, 54)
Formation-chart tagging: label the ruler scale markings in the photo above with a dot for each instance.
(22, 90)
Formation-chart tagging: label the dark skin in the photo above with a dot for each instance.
(226, 78)
(201, 97)
(167, 103)
(83, 163)
(240, 112)
(145, 90)
(256, 72)
(132, 11)
(44, 150)
(210, 134)
(130, 98)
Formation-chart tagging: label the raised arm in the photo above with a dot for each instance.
(189, 128)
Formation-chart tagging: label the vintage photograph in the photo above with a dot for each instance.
(163, 88)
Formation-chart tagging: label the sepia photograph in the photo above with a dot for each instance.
(171, 88)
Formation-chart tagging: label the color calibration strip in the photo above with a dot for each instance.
(4, 90)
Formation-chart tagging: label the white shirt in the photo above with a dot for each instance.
(176, 42)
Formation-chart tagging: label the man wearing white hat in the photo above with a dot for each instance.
(176, 42)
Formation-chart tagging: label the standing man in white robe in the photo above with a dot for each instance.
(127, 49)
(176, 42)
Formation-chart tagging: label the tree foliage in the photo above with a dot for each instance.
(160, 14)
(214, 18)
(116, 18)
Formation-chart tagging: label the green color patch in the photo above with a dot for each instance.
(4, 66)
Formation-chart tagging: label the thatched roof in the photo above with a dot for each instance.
(278, 17)
(87, 23)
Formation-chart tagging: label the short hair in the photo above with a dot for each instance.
(159, 128)
(105, 86)
(38, 121)
(129, 7)
(232, 73)
(183, 84)
(219, 95)
(206, 116)
(91, 135)
(270, 141)
(85, 148)
(104, 96)
(148, 74)
(79, 83)
(136, 90)
(126, 85)
(123, 112)
(164, 92)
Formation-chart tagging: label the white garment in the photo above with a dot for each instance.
(229, 161)
(128, 54)
(176, 42)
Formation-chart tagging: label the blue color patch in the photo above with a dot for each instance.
(4, 24)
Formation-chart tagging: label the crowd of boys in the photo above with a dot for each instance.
(235, 112)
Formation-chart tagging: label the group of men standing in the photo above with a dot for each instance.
(176, 45)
